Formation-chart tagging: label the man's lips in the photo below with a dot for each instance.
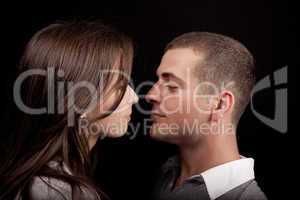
(156, 116)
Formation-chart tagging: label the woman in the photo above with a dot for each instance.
(75, 91)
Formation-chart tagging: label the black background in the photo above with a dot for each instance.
(127, 168)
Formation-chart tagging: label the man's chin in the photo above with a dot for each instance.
(153, 133)
(158, 135)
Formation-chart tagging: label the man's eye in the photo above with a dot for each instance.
(172, 87)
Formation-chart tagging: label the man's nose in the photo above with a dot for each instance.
(153, 96)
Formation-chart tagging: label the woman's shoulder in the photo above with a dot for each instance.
(43, 188)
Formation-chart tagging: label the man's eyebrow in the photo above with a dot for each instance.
(169, 75)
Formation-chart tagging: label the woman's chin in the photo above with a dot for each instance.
(117, 134)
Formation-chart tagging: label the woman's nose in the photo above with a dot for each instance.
(133, 95)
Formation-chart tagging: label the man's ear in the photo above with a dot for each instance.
(228, 102)
(222, 106)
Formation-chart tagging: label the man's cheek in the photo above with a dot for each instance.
(171, 106)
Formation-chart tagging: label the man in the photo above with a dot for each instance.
(204, 85)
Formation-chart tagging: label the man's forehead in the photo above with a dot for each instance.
(178, 61)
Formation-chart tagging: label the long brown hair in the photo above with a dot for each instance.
(83, 51)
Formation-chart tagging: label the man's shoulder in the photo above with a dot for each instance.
(247, 191)
(253, 192)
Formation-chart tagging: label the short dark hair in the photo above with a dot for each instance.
(225, 60)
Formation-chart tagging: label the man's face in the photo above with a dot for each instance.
(177, 111)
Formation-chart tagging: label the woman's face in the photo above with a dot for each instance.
(116, 124)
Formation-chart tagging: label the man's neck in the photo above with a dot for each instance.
(212, 151)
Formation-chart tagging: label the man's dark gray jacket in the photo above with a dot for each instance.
(205, 187)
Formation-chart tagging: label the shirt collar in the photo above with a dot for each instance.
(223, 178)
